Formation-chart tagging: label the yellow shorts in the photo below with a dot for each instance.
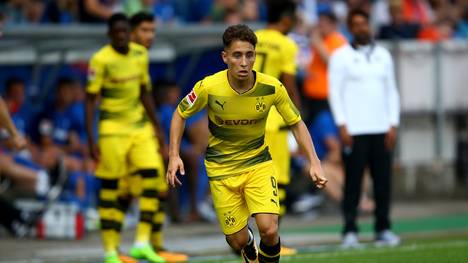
(131, 183)
(238, 197)
(120, 153)
(277, 142)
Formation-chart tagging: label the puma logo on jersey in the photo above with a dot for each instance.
(220, 105)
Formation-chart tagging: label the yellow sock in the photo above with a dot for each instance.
(157, 238)
(109, 214)
(148, 205)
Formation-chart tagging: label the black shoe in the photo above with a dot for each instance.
(250, 252)
(58, 177)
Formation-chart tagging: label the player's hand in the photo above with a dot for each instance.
(390, 138)
(175, 165)
(19, 142)
(346, 138)
(317, 175)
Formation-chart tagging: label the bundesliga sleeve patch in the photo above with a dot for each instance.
(91, 74)
(191, 97)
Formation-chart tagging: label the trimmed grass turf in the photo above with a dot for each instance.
(434, 250)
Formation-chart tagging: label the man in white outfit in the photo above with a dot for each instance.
(365, 106)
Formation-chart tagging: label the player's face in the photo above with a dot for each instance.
(144, 33)
(360, 29)
(240, 58)
(120, 34)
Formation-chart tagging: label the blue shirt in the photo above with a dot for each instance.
(322, 128)
(165, 117)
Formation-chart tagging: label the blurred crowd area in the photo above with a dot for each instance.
(431, 20)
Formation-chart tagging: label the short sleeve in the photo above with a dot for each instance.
(289, 59)
(95, 75)
(194, 102)
(285, 106)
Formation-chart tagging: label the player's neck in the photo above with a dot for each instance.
(276, 27)
(121, 50)
(240, 85)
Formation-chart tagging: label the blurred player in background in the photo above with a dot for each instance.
(143, 32)
(276, 56)
(119, 74)
(238, 162)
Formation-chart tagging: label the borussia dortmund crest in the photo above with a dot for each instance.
(229, 220)
(260, 106)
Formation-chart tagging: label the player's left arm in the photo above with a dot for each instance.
(292, 118)
(393, 104)
(146, 99)
(148, 103)
(303, 139)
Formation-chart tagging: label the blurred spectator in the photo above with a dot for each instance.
(60, 128)
(416, 11)
(163, 10)
(398, 28)
(440, 30)
(23, 11)
(462, 27)
(327, 144)
(15, 97)
(324, 40)
(193, 144)
(228, 11)
(61, 11)
(96, 11)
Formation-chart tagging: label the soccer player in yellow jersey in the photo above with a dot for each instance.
(118, 76)
(238, 162)
(143, 29)
(276, 56)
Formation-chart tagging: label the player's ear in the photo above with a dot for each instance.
(224, 56)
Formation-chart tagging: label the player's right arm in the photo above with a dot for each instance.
(195, 101)
(175, 162)
(95, 80)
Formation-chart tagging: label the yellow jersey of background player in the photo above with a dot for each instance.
(276, 56)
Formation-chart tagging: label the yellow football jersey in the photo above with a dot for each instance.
(276, 54)
(237, 121)
(117, 79)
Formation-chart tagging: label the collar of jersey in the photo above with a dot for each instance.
(247, 91)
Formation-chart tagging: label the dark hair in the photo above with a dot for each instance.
(356, 12)
(117, 17)
(329, 15)
(139, 18)
(160, 89)
(277, 9)
(239, 32)
(64, 82)
(10, 82)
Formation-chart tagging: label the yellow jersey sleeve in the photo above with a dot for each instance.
(194, 102)
(95, 75)
(289, 58)
(145, 79)
(286, 107)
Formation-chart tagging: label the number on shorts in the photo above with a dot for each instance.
(274, 185)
